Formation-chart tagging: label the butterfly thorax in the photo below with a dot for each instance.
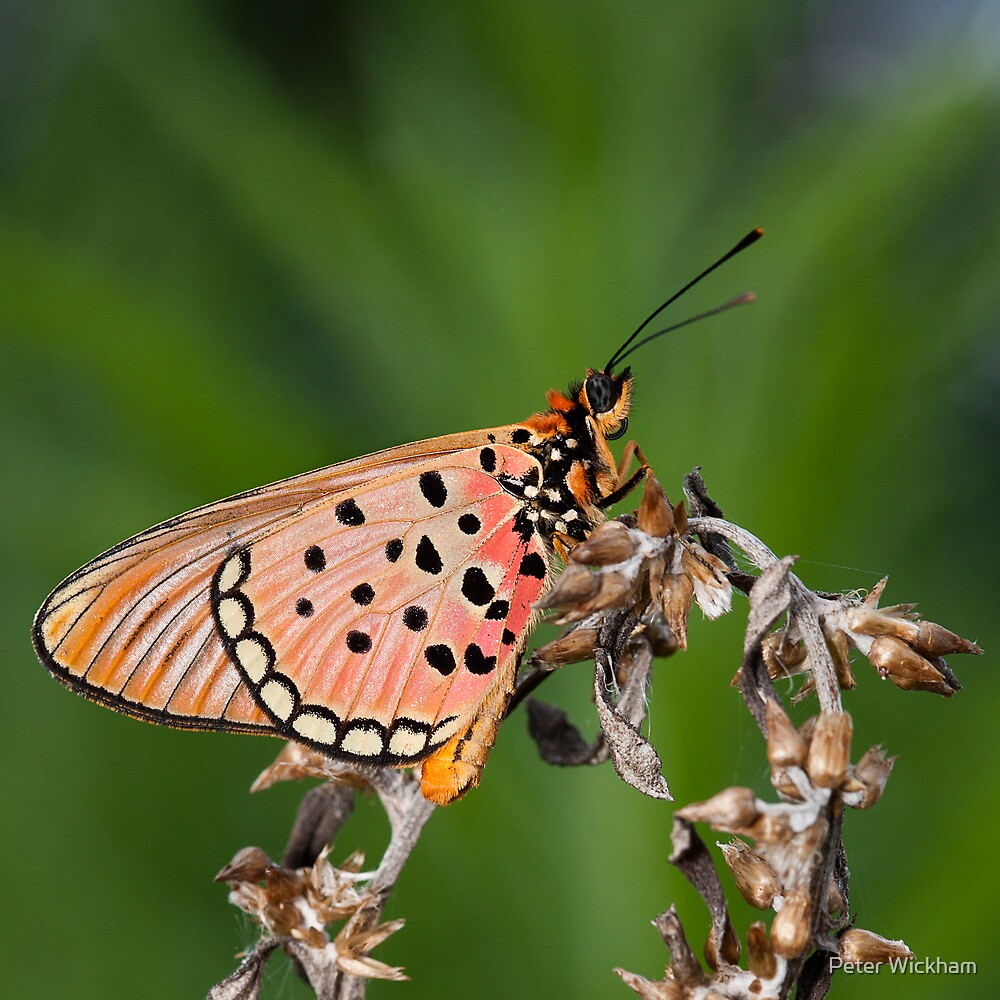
(569, 440)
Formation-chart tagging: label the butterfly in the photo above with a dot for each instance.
(375, 610)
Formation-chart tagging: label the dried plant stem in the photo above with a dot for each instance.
(802, 602)
(408, 812)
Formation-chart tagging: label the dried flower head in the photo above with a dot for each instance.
(900, 646)
(647, 562)
(296, 903)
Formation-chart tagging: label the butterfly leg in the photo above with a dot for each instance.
(563, 544)
(455, 767)
(632, 452)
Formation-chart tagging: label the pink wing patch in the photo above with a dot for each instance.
(374, 622)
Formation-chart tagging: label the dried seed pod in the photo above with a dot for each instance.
(730, 950)
(573, 586)
(785, 747)
(934, 640)
(614, 591)
(283, 886)
(680, 519)
(872, 772)
(807, 729)
(676, 595)
(791, 929)
(712, 589)
(732, 808)
(655, 516)
(784, 784)
(770, 828)
(250, 864)
(781, 656)
(652, 573)
(608, 544)
(282, 917)
(573, 647)
(760, 954)
(927, 638)
(835, 902)
(312, 936)
(754, 877)
(661, 638)
(907, 669)
(830, 749)
(840, 653)
(295, 762)
(857, 945)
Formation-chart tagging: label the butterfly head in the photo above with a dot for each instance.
(608, 398)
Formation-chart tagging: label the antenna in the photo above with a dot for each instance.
(741, 300)
(747, 241)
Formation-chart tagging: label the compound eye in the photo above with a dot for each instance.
(600, 393)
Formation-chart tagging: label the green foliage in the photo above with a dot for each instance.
(246, 239)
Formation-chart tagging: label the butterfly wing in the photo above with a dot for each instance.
(367, 609)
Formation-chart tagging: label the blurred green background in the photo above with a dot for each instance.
(244, 239)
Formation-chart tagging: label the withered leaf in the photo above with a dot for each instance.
(322, 812)
(633, 756)
(559, 742)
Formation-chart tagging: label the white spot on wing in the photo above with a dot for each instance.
(363, 742)
(232, 570)
(277, 698)
(316, 727)
(232, 616)
(406, 743)
(445, 731)
(252, 658)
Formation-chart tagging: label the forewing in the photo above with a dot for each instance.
(253, 613)
(134, 628)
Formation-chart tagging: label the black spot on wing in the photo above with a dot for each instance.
(415, 618)
(441, 658)
(498, 611)
(315, 559)
(348, 512)
(363, 594)
(304, 607)
(476, 661)
(488, 460)
(433, 488)
(427, 558)
(508, 637)
(521, 436)
(358, 642)
(533, 565)
(469, 524)
(394, 549)
(476, 588)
